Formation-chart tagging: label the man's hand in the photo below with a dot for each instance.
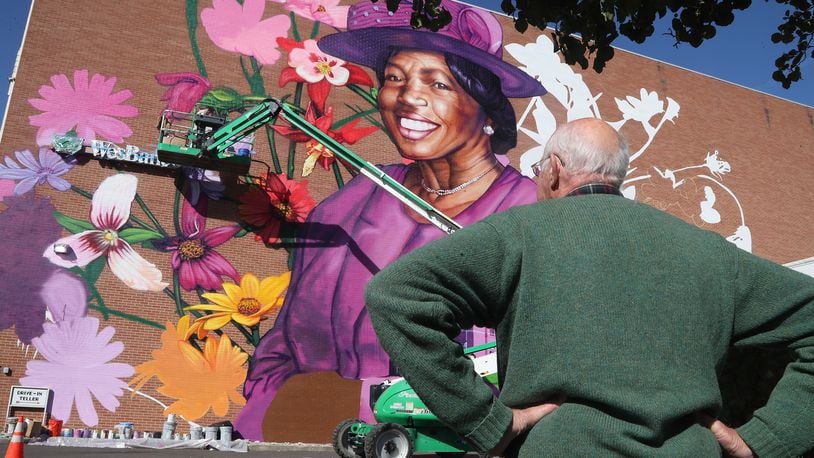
(729, 439)
(523, 420)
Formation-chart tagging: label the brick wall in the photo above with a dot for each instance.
(766, 143)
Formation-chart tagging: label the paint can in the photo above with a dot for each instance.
(177, 436)
(196, 433)
(226, 435)
(67, 432)
(169, 427)
(211, 433)
(94, 434)
(11, 423)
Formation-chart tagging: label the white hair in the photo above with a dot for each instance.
(582, 154)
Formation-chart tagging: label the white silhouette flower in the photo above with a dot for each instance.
(641, 109)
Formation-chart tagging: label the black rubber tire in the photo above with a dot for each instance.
(451, 454)
(339, 439)
(388, 440)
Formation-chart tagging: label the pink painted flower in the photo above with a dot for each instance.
(110, 210)
(240, 28)
(77, 367)
(185, 89)
(320, 71)
(88, 107)
(194, 257)
(325, 11)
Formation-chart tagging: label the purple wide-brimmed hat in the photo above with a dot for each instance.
(473, 34)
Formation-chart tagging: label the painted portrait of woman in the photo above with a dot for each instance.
(444, 100)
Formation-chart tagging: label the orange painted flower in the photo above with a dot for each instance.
(199, 381)
(275, 200)
(246, 304)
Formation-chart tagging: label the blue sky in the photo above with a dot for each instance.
(741, 53)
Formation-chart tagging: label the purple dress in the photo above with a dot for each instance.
(323, 324)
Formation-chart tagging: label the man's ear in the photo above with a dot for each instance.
(555, 168)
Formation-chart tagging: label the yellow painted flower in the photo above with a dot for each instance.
(246, 304)
(197, 380)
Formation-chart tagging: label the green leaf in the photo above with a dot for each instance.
(74, 226)
(94, 269)
(138, 235)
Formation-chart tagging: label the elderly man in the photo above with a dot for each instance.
(612, 319)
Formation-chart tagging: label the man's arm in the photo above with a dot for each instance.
(420, 303)
(774, 305)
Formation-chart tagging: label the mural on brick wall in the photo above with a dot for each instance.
(213, 356)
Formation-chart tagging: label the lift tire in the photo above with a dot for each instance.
(339, 439)
(388, 440)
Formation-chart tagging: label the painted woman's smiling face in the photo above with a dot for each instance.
(425, 109)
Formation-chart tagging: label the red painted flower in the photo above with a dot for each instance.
(317, 152)
(276, 199)
(184, 89)
(307, 64)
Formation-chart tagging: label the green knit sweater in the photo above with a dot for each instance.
(625, 309)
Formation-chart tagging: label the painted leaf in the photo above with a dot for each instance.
(137, 235)
(73, 225)
(94, 269)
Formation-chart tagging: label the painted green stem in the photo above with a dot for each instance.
(176, 286)
(359, 114)
(176, 206)
(364, 94)
(315, 30)
(100, 303)
(275, 158)
(256, 335)
(295, 33)
(192, 26)
(292, 146)
(127, 316)
(81, 192)
(150, 215)
(340, 182)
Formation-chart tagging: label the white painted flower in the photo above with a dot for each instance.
(110, 210)
(715, 166)
(641, 109)
(539, 60)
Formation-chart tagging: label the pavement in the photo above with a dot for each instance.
(266, 449)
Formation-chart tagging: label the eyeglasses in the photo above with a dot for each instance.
(537, 167)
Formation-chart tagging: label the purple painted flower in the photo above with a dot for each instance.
(202, 181)
(77, 367)
(48, 168)
(65, 296)
(194, 257)
(89, 107)
(185, 89)
(27, 227)
(6, 189)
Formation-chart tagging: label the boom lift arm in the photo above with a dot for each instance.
(213, 153)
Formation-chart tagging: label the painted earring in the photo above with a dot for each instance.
(488, 130)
